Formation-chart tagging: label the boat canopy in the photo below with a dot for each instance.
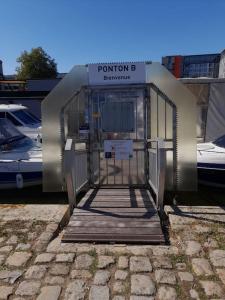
(9, 133)
(220, 142)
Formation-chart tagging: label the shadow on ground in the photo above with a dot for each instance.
(205, 196)
(32, 195)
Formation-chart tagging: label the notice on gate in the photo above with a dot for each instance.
(118, 149)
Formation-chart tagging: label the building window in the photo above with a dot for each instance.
(199, 70)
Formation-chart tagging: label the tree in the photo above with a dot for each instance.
(36, 64)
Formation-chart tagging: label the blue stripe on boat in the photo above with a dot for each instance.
(27, 176)
(211, 166)
(212, 176)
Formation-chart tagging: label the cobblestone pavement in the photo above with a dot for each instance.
(35, 265)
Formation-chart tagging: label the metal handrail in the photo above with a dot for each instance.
(157, 170)
(75, 168)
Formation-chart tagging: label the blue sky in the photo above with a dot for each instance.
(82, 31)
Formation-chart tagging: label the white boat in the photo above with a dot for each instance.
(211, 162)
(20, 158)
(22, 119)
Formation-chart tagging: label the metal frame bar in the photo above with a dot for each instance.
(160, 167)
(73, 170)
(69, 178)
(169, 102)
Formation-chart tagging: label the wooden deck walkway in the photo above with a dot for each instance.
(115, 215)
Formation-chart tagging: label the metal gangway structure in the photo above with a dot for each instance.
(124, 133)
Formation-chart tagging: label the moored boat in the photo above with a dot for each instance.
(20, 158)
(22, 119)
(211, 162)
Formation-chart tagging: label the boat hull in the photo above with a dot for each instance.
(8, 180)
(211, 164)
(211, 174)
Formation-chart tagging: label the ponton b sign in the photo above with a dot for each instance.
(116, 73)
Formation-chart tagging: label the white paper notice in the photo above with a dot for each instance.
(118, 149)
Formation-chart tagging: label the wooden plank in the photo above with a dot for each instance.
(122, 194)
(117, 192)
(111, 203)
(124, 204)
(119, 188)
(122, 191)
(112, 223)
(87, 218)
(115, 210)
(114, 230)
(117, 198)
(153, 239)
(115, 215)
(118, 215)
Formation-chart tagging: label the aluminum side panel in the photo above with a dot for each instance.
(185, 102)
(53, 139)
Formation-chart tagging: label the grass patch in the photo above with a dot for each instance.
(181, 258)
(210, 278)
(126, 290)
(179, 292)
(93, 253)
(109, 253)
(178, 258)
(220, 238)
(93, 267)
(201, 293)
(214, 234)
(2, 268)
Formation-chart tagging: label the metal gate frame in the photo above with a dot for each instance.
(147, 130)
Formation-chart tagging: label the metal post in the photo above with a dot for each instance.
(161, 162)
(70, 179)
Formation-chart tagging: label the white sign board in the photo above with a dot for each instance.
(116, 73)
(118, 149)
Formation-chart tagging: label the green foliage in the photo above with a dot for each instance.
(36, 64)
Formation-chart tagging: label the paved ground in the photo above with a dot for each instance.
(34, 264)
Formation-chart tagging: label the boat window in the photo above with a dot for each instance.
(13, 120)
(2, 115)
(37, 120)
(9, 134)
(220, 142)
(25, 117)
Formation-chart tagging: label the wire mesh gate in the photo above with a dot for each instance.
(117, 115)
